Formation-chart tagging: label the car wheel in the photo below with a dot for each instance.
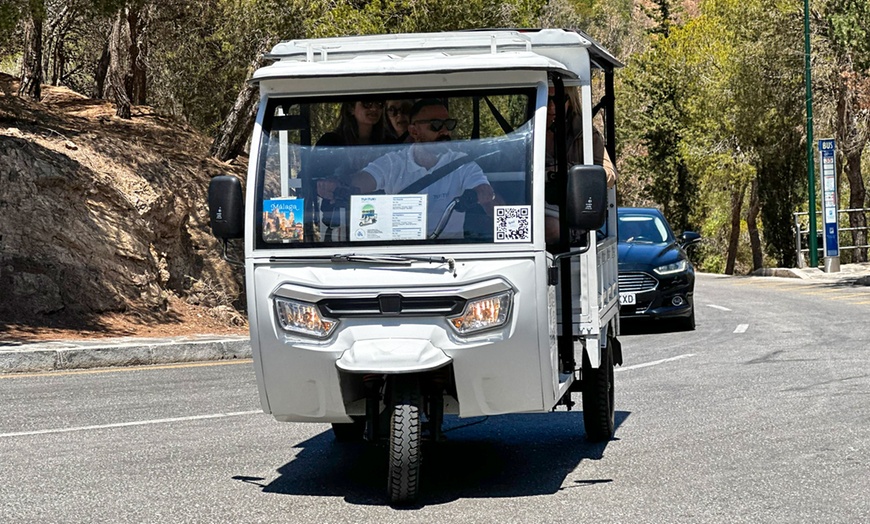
(688, 323)
(403, 479)
(598, 410)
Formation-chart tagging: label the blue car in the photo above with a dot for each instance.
(656, 278)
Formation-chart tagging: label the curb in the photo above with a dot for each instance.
(70, 355)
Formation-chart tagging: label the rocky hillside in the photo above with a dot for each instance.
(104, 222)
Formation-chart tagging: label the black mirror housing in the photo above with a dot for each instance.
(226, 207)
(587, 197)
(689, 237)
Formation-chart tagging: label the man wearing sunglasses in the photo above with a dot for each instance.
(430, 127)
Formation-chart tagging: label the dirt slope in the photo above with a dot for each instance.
(104, 223)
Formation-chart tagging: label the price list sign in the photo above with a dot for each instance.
(827, 149)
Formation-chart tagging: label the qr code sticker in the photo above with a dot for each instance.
(513, 223)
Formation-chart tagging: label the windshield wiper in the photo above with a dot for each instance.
(401, 260)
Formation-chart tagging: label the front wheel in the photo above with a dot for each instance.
(598, 410)
(404, 442)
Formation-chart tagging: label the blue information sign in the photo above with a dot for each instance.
(827, 150)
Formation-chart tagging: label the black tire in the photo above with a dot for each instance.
(598, 410)
(405, 455)
(350, 431)
(687, 323)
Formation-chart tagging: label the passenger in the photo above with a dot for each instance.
(574, 132)
(392, 173)
(360, 122)
(398, 118)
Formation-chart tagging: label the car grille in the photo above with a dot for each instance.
(391, 305)
(636, 282)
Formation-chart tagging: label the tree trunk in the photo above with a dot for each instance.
(137, 83)
(31, 63)
(117, 86)
(734, 238)
(752, 226)
(55, 59)
(236, 127)
(857, 198)
(100, 73)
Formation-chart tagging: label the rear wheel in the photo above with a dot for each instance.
(350, 431)
(404, 442)
(598, 411)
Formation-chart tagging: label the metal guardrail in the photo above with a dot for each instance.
(801, 227)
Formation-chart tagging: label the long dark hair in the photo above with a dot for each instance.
(348, 129)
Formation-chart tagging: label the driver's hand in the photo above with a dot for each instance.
(485, 197)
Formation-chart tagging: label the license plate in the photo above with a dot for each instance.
(627, 299)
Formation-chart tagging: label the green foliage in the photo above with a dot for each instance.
(850, 24)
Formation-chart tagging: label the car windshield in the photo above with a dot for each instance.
(338, 172)
(643, 229)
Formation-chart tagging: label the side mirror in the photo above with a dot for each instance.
(587, 197)
(688, 238)
(226, 208)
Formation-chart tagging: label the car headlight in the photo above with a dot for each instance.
(483, 313)
(303, 318)
(670, 269)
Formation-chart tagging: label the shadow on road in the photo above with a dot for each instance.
(648, 326)
(502, 456)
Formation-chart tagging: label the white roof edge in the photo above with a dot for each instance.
(426, 63)
(313, 49)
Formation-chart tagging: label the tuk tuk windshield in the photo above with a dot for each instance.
(399, 168)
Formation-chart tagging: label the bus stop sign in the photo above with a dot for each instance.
(827, 150)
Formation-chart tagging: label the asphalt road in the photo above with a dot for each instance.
(762, 414)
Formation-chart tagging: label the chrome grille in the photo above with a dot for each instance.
(636, 282)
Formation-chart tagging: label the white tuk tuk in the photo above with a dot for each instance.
(391, 281)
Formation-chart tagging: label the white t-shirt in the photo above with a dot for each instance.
(395, 171)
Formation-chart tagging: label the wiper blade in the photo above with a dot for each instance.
(372, 259)
(401, 260)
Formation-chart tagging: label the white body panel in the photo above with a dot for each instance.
(505, 370)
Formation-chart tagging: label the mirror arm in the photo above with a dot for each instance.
(553, 271)
(226, 256)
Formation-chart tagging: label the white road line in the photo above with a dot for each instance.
(128, 424)
(720, 308)
(654, 363)
(741, 328)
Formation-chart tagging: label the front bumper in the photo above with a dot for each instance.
(658, 302)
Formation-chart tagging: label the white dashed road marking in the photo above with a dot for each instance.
(720, 308)
(128, 424)
(741, 328)
(654, 363)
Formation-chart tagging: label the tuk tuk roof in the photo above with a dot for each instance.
(479, 50)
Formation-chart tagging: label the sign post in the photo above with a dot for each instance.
(827, 150)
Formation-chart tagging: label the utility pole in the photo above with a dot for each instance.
(811, 173)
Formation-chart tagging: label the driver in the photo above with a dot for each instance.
(430, 125)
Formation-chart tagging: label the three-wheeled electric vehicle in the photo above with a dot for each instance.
(393, 280)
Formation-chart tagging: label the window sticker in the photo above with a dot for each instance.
(282, 219)
(387, 217)
(513, 224)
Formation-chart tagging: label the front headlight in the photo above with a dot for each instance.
(483, 313)
(303, 318)
(670, 269)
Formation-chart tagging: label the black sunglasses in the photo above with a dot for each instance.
(435, 124)
(398, 110)
(368, 104)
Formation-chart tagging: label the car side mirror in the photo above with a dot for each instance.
(688, 238)
(587, 197)
(226, 208)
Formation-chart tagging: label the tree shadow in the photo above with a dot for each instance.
(488, 457)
